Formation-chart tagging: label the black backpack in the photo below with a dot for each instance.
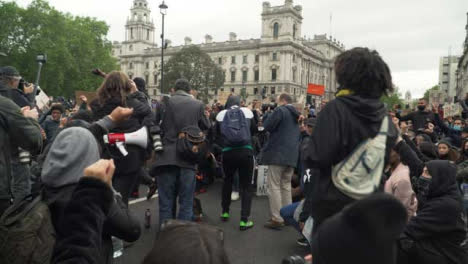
(26, 233)
(235, 129)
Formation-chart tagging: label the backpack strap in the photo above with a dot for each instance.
(384, 127)
(17, 207)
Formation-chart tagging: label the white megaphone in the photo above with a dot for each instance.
(139, 138)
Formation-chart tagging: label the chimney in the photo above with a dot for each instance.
(208, 39)
(188, 41)
(232, 36)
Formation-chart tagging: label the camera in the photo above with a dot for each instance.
(22, 84)
(155, 132)
(41, 58)
(265, 107)
(294, 260)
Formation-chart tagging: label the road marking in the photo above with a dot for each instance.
(142, 199)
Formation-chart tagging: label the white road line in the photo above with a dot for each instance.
(141, 199)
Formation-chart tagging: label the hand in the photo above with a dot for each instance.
(29, 89)
(43, 134)
(133, 87)
(404, 127)
(27, 112)
(102, 170)
(120, 114)
(83, 99)
(63, 122)
(396, 122)
(301, 225)
(300, 119)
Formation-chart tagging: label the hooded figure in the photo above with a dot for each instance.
(72, 151)
(438, 232)
(428, 151)
(364, 233)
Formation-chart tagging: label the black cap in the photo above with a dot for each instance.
(9, 71)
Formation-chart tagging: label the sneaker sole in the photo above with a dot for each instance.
(244, 228)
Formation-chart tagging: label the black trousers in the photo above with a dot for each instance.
(124, 183)
(241, 160)
(420, 253)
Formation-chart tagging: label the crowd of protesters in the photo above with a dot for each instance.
(361, 183)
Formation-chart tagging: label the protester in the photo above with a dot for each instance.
(446, 151)
(113, 93)
(50, 126)
(236, 125)
(9, 82)
(454, 132)
(354, 116)
(280, 153)
(18, 128)
(437, 232)
(420, 117)
(176, 175)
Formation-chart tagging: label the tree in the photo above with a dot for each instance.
(428, 91)
(392, 99)
(197, 67)
(74, 46)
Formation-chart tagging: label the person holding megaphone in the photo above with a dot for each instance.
(114, 92)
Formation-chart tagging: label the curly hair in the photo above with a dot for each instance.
(116, 85)
(364, 72)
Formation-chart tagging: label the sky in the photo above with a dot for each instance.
(410, 35)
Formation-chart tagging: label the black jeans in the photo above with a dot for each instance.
(241, 160)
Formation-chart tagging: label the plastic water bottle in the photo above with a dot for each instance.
(147, 218)
(118, 247)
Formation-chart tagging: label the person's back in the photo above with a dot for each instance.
(354, 116)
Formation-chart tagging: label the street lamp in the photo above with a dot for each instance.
(163, 10)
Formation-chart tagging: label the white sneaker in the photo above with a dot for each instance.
(234, 196)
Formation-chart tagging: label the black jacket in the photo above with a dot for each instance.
(418, 118)
(16, 95)
(440, 223)
(343, 124)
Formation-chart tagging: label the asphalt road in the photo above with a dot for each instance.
(255, 246)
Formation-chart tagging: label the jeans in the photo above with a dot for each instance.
(279, 189)
(175, 182)
(287, 213)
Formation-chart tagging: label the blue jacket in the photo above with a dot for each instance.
(282, 147)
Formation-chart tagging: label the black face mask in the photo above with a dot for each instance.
(421, 107)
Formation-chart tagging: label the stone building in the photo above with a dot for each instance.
(279, 61)
(462, 69)
(447, 76)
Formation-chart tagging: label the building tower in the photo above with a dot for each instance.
(281, 23)
(140, 27)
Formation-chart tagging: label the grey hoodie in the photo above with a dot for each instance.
(73, 150)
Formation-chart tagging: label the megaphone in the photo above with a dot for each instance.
(139, 138)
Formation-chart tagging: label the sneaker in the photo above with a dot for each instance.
(152, 190)
(234, 196)
(272, 224)
(303, 242)
(246, 225)
(225, 217)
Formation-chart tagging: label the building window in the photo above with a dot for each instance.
(154, 92)
(220, 60)
(273, 90)
(131, 33)
(244, 76)
(147, 34)
(274, 56)
(130, 76)
(130, 66)
(294, 31)
(147, 78)
(255, 91)
(275, 30)
(233, 76)
(147, 65)
(244, 59)
(155, 81)
(221, 90)
(257, 75)
(294, 57)
(273, 74)
(130, 48)
(233, 60)
(257, 58)
(233, 90)
(120, 51)
(155, 65)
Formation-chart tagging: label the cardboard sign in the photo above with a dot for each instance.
(90, 95)
(42, 99)
(262, 188)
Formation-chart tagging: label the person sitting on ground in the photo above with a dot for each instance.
(202, 244)
(438, 231)
(73, 150)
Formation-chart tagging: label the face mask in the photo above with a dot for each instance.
(421, 107)
(457, 128)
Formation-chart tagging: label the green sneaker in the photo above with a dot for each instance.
(246, 225)
(225, 217)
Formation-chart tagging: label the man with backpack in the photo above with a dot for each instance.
(355, 120)
(236, 126)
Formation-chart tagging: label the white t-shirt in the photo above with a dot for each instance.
(247, 113)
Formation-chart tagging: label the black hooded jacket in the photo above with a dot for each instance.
(341, 126)
(440, 223)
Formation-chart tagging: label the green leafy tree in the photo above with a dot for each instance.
(392, 99)
(428, 91)
(197, 67)
(74, 46)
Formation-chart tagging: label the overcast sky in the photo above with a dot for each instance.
(411, 35)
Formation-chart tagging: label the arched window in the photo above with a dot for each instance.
(294, 31)
(275, 30)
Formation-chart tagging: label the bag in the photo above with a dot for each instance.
(234, 128)
(188, 145)
(359, 175)
(26, 233)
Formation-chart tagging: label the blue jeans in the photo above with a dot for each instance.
(287, 213)
(175, 181)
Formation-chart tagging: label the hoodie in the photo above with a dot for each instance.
(440, 223)
(282, 147)
(342, 125)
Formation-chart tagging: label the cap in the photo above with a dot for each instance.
(9, 71)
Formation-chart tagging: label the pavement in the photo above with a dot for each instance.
(254, 246)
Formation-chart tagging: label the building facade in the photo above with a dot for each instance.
(462, 68)
(448, 77)
(280, 61)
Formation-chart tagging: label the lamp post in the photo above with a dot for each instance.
(163, 10)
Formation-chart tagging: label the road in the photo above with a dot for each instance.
(255, 246)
